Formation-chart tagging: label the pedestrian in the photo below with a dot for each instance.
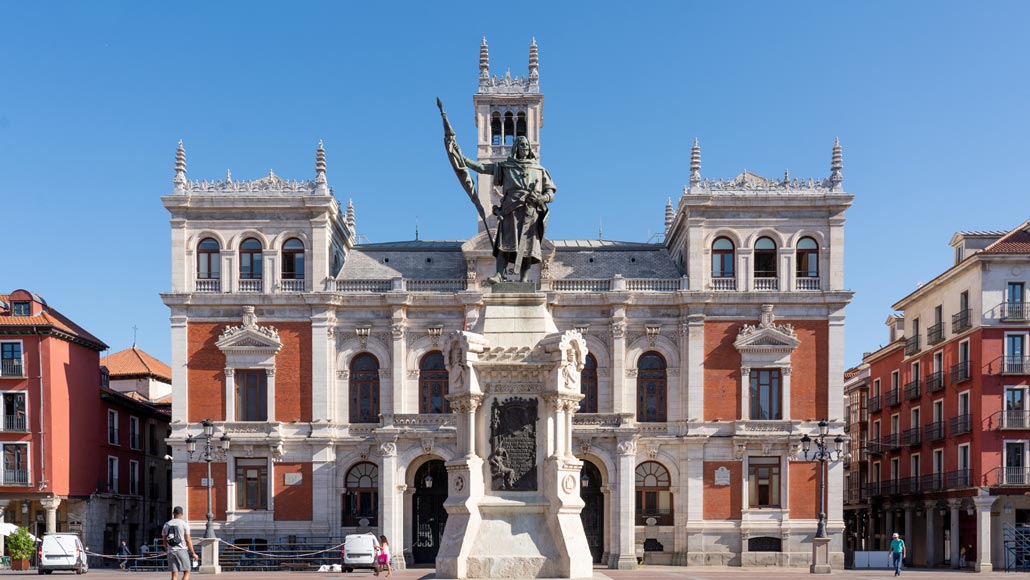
(897, 552)
(123, 554)
(144, 552)
(962, 557)
(383, 560)
(178, 545)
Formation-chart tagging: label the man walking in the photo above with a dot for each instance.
(178, 545)
(897, 552)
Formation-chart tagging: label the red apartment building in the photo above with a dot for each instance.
(946, 421)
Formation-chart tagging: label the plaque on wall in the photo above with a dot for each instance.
(722, 476)
(513, 444)
(293, 479)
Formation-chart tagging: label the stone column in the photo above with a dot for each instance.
(983, 532)
(694, 365)
(623, 395)
(3, 508)
(230, 278)
(834, 270)
(907, 536)
(398, 352)
(270, 274)
(695, 474)
(606, 541)
(323, 355)
(786, 272)
(391, 492)
(956, 545)
(931, 533)
(50, 505)
(745, 275)
(627, 557)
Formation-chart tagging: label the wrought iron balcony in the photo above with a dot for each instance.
(891, 441)
(875, 403)
(12, 368)
(873, 489)
(1014, 476)
(1015, 311)
(912, 436)
(873, 447)
(16, 477)
(935, 333)
(1015, 365)
(890, 487)
(960, 372)
(892, 397)
(908, 485)
(935, 382)
(1015, 419)
(961, 321)
(957, 479)
(912, 345)
(932, 482)
(15, 423)
(961, 424)
(934, 431)
(912, 390)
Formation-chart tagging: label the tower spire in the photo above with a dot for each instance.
(695, 164)
(836, 165)
(180, 168)
(320, 181)
(669, 215)
(534, 63)
(350, 215)
(484, 64)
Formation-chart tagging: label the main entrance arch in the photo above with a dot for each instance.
(593, 512)
(428, 516)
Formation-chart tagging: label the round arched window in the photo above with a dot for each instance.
(654, 498)
(432, 384)
(807, 258)
(208, 260)
(722, 258)
(364, 389)
(765, 258)
(361, 498)
(293, 260)
(652, 386)
(250, 259)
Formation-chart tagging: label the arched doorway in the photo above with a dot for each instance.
(593, 512)
(428, 516)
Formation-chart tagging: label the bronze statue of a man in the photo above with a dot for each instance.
(526, 189)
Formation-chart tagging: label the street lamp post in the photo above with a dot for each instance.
(208, 454)
(822, 453)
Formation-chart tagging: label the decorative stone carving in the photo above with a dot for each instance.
(749, 182)
(385, 373)
(569, 483)
(272, 183)
(397, 330)
(276, 451)
(413, 374)
(427, 444)
(628, 447)
(652, 451)
(470, 270)
(363, 451)
(631, 373)
(343, 374)
(249, 334)
(653, 331)
(768, 320)
(738, 451)
(618, 330)
(435, 332)
(584, 446)
(363, 332)
(604, 372)
(459, 483)
(766, 448)
(388, 449)
(513, 444)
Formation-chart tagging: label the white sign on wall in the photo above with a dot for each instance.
(722, 476)
(292, 479)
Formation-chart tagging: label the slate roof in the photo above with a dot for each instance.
(605, 259)
(48, 319)
(414, 260)
(133, 362)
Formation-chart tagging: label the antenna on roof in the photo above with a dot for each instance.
(134, 329)
(416, 228)
(600, 229)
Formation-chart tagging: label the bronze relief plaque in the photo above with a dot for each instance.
(513, 444)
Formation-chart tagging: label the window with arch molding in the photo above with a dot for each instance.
(588, 385)
(432, 384)
(361, 496)
(652, 386)
(364, 389)
(807, 258)
(722, 258)
(495, 129)
(250, 259)
(765, 258)
(653, 494)
(293, 260)
(509, 128)
(208, 262)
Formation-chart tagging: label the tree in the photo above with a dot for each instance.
(20, 545)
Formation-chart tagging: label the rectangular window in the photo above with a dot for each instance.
(765, 395)
(963, 456)
(1015, 463)
(21, 309)
(895, 423)
(1015, 353)
(112, 427)
(894, 380)
(938, 411)
(252, 484)
(12, 364)
(763, 475)
(938, 314)
(938, 461)
(876, 430)
(915, 465)
(915, 371)
(876, 388)
(938, 362)
(133, 477)
(915, 418)
(134, 442)
(1015, 293)
(15, 415)
(16, 464)
(963, 301)
(963, 351)
(112, 474)
(963, 403)
(251, 395)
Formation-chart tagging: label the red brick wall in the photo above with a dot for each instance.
(206, 371)
(722, 371)
(196, 507)
(293, 372)
(802, 489)
(292, 502)
(722, 502)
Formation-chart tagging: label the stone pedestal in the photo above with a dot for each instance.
(514, 500)
(820, 556)
(209, 556)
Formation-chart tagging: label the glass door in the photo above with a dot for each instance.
(1015, 463)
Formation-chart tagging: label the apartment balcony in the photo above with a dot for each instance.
(961, 321)
(873, 488)
(15, 423)
(935, 382)
(1019, 476)
(932, 482)
(909, 485)
(935, 333)
(891, 442)
(893, 398)
(16, 477)
(12, 368)
(890, 487)
(1014, 311)
(1015, 419)
(960, 372)
(1015, 365)
(724, 284)
(913, 390)
(250, 285)
(808, 284)
(957, 479)
(912, 437)
(912, 345)
(291, 285)
(766, 284)
(873, 447)
(960, 425)
(208, 285)
(934, 431)
(874, 404)
(855, 417)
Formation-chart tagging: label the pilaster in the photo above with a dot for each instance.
(695, 363)
(180, 377)
(930, 509)
(230, 393)
(954, 505)
(983, 505)
(627, 557)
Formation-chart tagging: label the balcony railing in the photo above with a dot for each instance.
(1014, 476)
(912, 345)
(582, 285)
(909, 485)
(873, 488)
(891, 441)
(912, 436)
(932, 482)
(961, 424)
(208, 285)
(934, 431)
(1015, 419)
(890, 487)
(17, 477)
(766, 284)
(935, 382)
(892, 397)
(935, 333)
(656, 284)
(1015, 311)
(957, 479)
(960, 372)
(912, 390)
(724, 284)
(359, 286)
(291, 285)
(961, 321)
(808, 284)
(15, 423)
(875, 403)
(855, 415)
(12, 368)
(873, 447)
(1015, 365)
(250, 285)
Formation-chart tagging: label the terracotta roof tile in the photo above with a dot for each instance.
(49, 317)
(133, 361)
(1015, 242)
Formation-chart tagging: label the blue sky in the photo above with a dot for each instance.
(929, 99)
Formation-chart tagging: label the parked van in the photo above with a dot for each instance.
(62, 552)
(359, 551)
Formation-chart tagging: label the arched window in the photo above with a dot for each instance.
(588, 385)
(654, 498)
(364, 389)
(361, 496)
(520, 125)
(765, 258)
(495, 129)
(652, 386)
(807, 258)
(722, 258)
(208, 260)
(432, 384)
(293, 259)
(250, 259)
(509, 128)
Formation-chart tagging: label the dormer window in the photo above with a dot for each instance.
(21, 309)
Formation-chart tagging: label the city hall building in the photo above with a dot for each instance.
(710, 355)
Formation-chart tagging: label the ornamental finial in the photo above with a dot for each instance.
(350, 214)
(484, 62)
(669, 215)
(320, 182)
(695, 164)
(836, 165)
(180, 168)
(534, 63)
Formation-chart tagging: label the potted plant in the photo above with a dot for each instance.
(20, 546)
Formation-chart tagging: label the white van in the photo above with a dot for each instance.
(62, 552)
(359, 551)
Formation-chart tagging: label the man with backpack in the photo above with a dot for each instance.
(178, 545)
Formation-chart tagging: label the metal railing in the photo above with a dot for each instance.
(890, 487)
(935, 333)
(874, 447)
(912, 345)
(808, 284)
(957, 479)
(250, 285)
(15, 423)
(875, 403)
(873, 488)
(932, 482)
(208, 285)
(909, 485)
(1015, 365)
(934, 431)
(962, 320)
(913, 436)
(960, 372)
(12, 368)
(1015, 310)
(1013, 476)
(724, 284)
(18, 477)
(912, 390)
(893, 397)
(766, 284)
(1015, 419)
(960, 424)
(935, 382)
(890, 442)
(291, 285)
